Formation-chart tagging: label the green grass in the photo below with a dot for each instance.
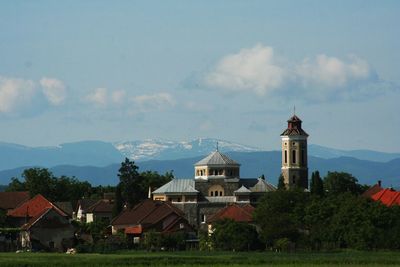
(194, 259)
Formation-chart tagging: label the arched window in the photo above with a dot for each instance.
(216, 190)
(294, 156)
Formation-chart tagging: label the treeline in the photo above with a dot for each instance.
(131, 189)
(334, 215)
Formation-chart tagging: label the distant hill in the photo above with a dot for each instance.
(253, 164)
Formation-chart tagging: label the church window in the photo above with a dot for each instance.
(285, 156)
(220, 193)
(294, 156)
(216, 193)
(212, 193)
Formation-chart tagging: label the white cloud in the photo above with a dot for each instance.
(331, 72)
(99, 97)
(15, 94)
(251, 69)
(54, 90)
(118, 96)
(157, 101)
(321, 78)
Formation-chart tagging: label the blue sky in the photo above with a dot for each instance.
(128, 70)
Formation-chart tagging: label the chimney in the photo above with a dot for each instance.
(379, 183)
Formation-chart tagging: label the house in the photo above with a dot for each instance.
(238, 213)
(44, 226)
(11, 200)
(388, 197)
(150, 215)
(373, 190)
(101, 210)
(82, 206)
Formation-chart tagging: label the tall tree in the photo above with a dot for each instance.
(341, 182)
(281, 183)
(39, 181)
(316, 185)
(130, 182)
(119, 202)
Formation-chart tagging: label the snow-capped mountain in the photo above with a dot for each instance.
(165, 149)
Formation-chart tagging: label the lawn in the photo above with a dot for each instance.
(193, 259)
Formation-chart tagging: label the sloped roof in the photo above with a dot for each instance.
(242, 190)
(65, 206)
(388, 197)
(147, 212)
(100, 206)
(85, 203)
(372, 190)
(33, 207)
(234, 212)
(11, 200)
(38, 217)
(217, 158)
(177, 186)
(262, 186)
(294, 127)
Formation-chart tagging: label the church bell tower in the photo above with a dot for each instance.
(294, 154)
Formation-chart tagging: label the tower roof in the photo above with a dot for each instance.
(294, 127)
(217, 158)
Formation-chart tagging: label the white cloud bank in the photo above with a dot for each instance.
(20, 95)
(103, 97)
(256, 70)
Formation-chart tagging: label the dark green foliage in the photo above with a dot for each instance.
(316, 185)
(3, 215)
(281, 183)
(280, 214)
(118, 202)
(236, 236)
(42, 181)
(135, 186)
(341, 182)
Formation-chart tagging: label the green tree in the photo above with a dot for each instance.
(16, 185)
(39, 181)
(119, 202)
(281, 183)
(237, 236)
(341, 182)
(130, 183)
(280, 214)
(316, 185)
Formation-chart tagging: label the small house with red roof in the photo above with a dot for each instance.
(388, 197)
(44, 226)
(158, 216)
(235, 212)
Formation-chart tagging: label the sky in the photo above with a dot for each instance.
(180, 70)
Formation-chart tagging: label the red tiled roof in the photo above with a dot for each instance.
(11, 200)
(388, 197)
(134, 230)
(372, 190)
(234, 212)
(34, 207)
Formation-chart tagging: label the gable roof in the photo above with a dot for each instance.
(388, 197)
(85, 203)
(372, 190)
(262, 186)
(11, 200)
(65, 206)
(39, 216)
(234, 212)
(177, 186)
(242, 190)
(217, 158)
(100, 206)
(146, 212)
(33, 207)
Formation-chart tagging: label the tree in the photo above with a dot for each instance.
(341, 182)
(316, 185)
(16, 185)
(119, 202)
(281, 183)
(231, 235)
(39, 181)
(280, 214)
(131, 188)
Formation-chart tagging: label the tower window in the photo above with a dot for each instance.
(294, 156)
(285, 156)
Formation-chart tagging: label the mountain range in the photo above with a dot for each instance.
(98, 162)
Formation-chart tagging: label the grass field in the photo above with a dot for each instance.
(193, 259)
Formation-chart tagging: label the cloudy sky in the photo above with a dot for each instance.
(129, 70)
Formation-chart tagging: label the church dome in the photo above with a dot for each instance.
(216, 165)
(217, 158)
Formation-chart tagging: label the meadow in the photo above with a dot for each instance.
(193, 259)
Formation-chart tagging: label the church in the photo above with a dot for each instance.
(217, 181)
